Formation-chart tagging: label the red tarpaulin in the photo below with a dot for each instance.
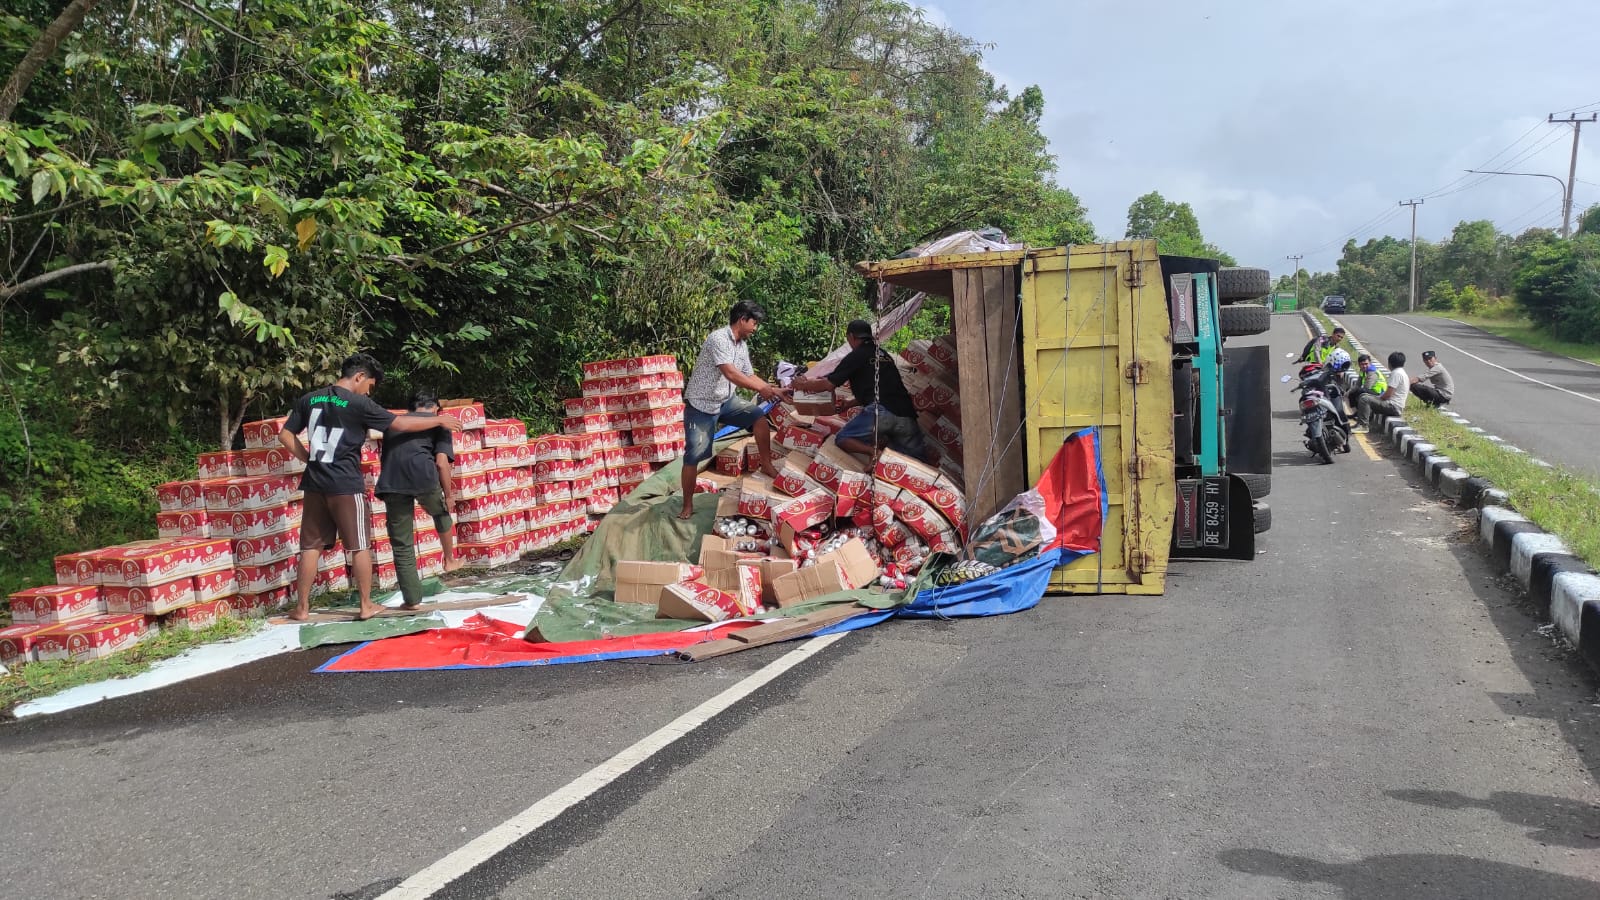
(482, 642)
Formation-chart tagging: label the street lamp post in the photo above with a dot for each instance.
(1566, 191)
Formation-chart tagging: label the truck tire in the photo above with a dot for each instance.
(1240, 283)
(1260, 484)
(1263, 517)
(1244, 319)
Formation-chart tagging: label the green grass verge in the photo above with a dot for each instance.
(1524, 332)
(1560, 501)
(41, 679)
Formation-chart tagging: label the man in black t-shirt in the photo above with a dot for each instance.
(416, 470)
(336, 420)
(889, 418)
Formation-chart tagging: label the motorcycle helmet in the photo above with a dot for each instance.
(1339, 360)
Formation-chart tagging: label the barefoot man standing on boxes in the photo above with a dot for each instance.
(336, 420)
(709, 399)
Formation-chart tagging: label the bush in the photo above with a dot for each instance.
(1470, 301)
(1442, 296)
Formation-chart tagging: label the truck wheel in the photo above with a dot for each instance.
(1244, 319)
(1260, 484)
(1240, 283)
(1263, 517)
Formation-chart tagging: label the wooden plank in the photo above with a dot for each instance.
(772, 632)
(1003, 331)
(969, 318)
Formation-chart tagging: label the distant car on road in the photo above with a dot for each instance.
(1333, 305)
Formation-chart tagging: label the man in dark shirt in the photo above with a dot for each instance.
(888, 417)
(416, 470)
(336, 420)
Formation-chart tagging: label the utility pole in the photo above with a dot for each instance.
(1297, 300)
(1572, 169)
(1413, 204)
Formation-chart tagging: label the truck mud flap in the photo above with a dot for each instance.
(1215, 520)
(1247, 380)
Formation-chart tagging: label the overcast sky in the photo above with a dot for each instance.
(1291, 125)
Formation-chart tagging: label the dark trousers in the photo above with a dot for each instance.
(1428, 394)
(1370, 409)
(401, 509)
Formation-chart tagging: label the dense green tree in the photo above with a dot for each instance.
(1174, 227)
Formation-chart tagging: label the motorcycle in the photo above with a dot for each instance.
(1327, 431)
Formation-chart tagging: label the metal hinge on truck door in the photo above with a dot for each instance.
(1135, 275)
(1136, 372)
(1141, 467)
(1139, 561)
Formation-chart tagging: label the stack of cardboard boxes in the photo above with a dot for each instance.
(829, 521)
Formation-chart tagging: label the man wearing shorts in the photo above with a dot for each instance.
(416, 472)
(709, 398)
(336, 420)
(888, 417)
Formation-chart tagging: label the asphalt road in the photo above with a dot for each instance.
(1557, 420)
(1362, 712)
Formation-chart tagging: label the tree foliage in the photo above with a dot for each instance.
(206, 203)
(1173, 226)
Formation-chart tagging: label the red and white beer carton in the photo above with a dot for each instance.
(55, 604)
(611, 440)
(228, 495)
(829, 463)
(382, 550)
(602, 501)
(255, 551)
(550, 446)
(586, 424)
(804, 440)
(855, 490)
(198, 616)
(473, 462)
(515, 523)
(185, 524)
(583, 445)
(260, 579)
(468, 412)
(210, 586)
(793, 480)
(904, 472)
(583, 487)
(78, 568)
(916, 352)
(501, 480)
(697, 600)
(605, 368)
(469, 487)
(943, 349)
(331, 581)
(504, 432)
(474, 509)
(513, 456)
(481, 531)
(936, 397)
(461, 441)
(151, 600)
(552, 471)
(16, 643)
(553, 491)
(950, 503)
(179, 496)
(384, 575)
(655, 399)
(430, 563)
(264, 433)
(649, 416)
(142, 563)
(669, 433)
(284, 519)
(271, 461)
(94, 638)
(657, 364)
(486, 555)
(254, 606)
(757, 496)
(800, 513)
(219, 464)
(206, 554)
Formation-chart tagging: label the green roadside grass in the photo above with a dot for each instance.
(41, 679)
(1560, 501)
(1524, 332)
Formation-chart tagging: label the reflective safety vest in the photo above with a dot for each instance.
(1321, 352)
(1374, 381)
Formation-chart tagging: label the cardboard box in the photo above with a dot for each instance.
(179, 496)
(669, 433)
(468, 487)
(504, 432)
(263, 433)
(473, 462)
(757, 496)
(642, 582)
(219, 464)
(55, 604)
(214, 586)
(742, 581)
(658, 364)
(916, 352)
(206, 554)
(829, 463)
(855, 490)
(550, 446)
(255, 551)
(819, 580)
(771, 570)
(227, 495)
(605, 368)
(656, 399)
(283, 519)
(152, 600)
(814, 403)
(142, 563)
(466, 411)
(904, 472)
(270, 461)
(697, 600)
(481, 531)
(805, 511)
(266, 577)
(183, 524)
(78, 568)
(258, 605)
(94, 638)
(199, 616)
(512, 456)
(792, 478)
(718, 553)
(803, 440)
(16, 643)
(651, 416)
(462, 441)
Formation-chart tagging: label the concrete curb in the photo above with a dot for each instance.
(1559, 583)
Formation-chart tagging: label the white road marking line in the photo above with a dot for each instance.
(1590, 398)
(439, 875)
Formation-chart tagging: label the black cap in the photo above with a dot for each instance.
(1428, 354)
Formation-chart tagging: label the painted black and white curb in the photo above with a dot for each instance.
(1555, 579)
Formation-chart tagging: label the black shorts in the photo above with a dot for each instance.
(327, 518)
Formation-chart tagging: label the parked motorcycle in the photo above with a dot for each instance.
(1326, 430)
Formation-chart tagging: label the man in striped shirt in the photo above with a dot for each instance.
(710, 399)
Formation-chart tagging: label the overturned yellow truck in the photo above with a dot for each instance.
(1114, 336)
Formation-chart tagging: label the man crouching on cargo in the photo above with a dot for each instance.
(889, 418)
(416, 471)
(709, 398)
(336, 420)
